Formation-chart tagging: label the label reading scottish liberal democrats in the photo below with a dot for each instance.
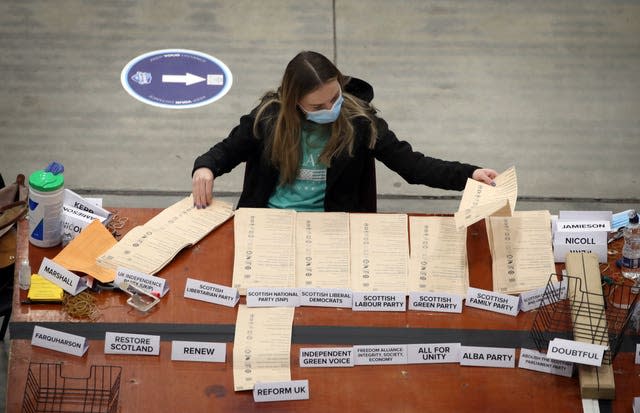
(140, 344)
(375, 301)
(433, 353)
(59, 341)
(198, 351)
(62, 277)
(326, 297)
(326, 357)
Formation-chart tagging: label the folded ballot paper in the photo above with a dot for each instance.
(149, 247)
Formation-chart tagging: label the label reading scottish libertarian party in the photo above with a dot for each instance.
(576, 352)
(326, 297)
(433, 353)
(149, 283)
(491, 301)
(371, 301)
(380, 354)
(140, 344)
(198, 351)
(211, 293)
(176, 78)
(59, 341)
(536, 361)
(439, 302)
(283, 390)
(488, 356)
(326, 357)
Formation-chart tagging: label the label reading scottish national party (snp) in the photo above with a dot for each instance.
(176, 78)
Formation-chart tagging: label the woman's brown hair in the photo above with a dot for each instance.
(306, 72)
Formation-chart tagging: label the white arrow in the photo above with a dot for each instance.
(188, 79)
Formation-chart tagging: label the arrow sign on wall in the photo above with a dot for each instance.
(188, 79)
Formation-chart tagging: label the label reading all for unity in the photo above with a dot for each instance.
(149, 283)
(279, 391)
(326, 297)
(140, 344)
(198, 351)
(380, 354)
(211, 293)
(491, 301)
(272, 297)
(576, 352)
(326, 357)
(59, 341)
(373, 301)
(440, 302)
(62, 277)
(433, 353)
(488, 356)
(536, 361)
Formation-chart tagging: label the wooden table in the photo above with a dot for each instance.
(155, 383)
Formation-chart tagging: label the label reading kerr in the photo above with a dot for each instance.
(374, 301)
(140, 344)
(492, 301)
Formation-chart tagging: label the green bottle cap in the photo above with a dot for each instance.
(46, 181)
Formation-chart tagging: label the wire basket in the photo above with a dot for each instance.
(47, 390)
(568, 311)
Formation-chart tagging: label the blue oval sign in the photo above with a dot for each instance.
(176, 78)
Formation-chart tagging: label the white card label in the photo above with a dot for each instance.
(59, 341)
(278, 391)
(440, 302)
(326, 297)
(62, 277)
(637, 353)
(272, 297)
(211, 293)
(141, 344)
(536, 361)
(433, 353)
(530, 300)
(380, 354)
(576, 352)
(326, 357)
(375, 301)
(492, 301)
(154, 285)
(488, 356)
(198, 351)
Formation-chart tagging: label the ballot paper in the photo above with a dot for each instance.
(262, 346)
(322, 250)
(522, 254)
(480, 200)
(438, 261)
(148, 248)
(264, 254)
(379, 252)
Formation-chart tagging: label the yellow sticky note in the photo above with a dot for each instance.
(44, 290)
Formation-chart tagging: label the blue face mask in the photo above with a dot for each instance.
(326, 115)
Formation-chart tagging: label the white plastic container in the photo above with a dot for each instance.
(45, 208)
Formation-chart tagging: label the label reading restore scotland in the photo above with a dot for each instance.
(59, 341)
(283, 390)
(326, 357)
(488, 356)
(439, 302)
(140, 344)
(376, 301)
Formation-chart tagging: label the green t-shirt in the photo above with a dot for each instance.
(306, 193)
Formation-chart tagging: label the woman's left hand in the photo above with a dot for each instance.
(485, 175)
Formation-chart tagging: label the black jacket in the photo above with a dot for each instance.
(351, 183)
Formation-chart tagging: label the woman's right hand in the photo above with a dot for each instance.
(202, 187)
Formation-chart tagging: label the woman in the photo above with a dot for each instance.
(312, 144)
